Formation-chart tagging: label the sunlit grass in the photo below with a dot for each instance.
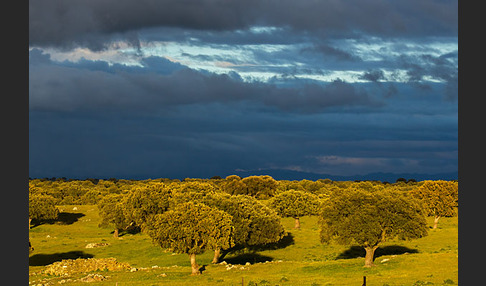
(301, 260)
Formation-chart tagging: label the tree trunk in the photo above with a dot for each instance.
(217, 253)
(436, 221)
(370, 253)
(115, 233)
(30, 220)
(194, 265)
(297, 223)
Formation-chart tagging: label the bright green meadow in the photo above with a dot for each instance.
(300, 259)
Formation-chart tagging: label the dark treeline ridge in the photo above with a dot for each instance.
(91, 190)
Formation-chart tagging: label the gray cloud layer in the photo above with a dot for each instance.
(98, 86)
(90, 22)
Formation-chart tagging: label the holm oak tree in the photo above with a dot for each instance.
(370, 218)
(191, 228)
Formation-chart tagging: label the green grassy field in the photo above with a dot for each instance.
(299, 260)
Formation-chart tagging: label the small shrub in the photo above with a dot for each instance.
(264, 283)
(448, 281)
(420, 283)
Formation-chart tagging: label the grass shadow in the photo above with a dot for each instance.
(286, 241)
(240, 252)
(252, 258)
(122, 232)
(202, 268)
(46, 259)
(62, 218)
(131, 230)
(68, 218)
(358, 251)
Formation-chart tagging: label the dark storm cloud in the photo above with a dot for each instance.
(377, 76)
(37, 56)
(442, 68)
(315, 98)
(168, 117)
(331, 52)
(208, 140)
(374, 75)
(89, 22)
(118, 124)
(66, 87)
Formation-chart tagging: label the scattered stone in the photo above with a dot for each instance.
(95, 245)
(75, 209)
(133, 269)
(163, 275)
(82, 265)
(247, 264)
(384, 260)
(223, 263)
(93, 278)
(155, 266)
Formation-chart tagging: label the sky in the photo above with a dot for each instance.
(201, 88)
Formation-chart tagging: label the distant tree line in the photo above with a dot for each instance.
(90, 191)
